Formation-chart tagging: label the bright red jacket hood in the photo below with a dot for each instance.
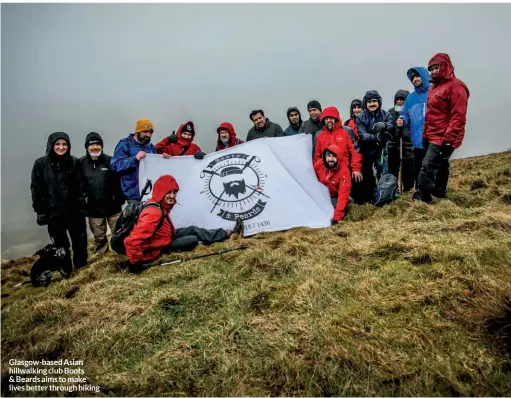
(332, 111)
(446, 67)
(232, 134)
(163, 186)
(180, 130)
(337, 151)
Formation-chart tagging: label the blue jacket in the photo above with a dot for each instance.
(365, 122)
(126, 164)
(414, 109)
(290, 130)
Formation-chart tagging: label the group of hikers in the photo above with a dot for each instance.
(417, 136)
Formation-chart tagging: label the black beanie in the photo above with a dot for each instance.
(93, 138)
(314, 104)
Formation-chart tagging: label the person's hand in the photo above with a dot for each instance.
(357, 176)
(334, 222)
(42, 219)
(400, 122)
(165, 155)
(172, 138)
(141, 155)
(379, 127)
(199, 155)
(382, 136)
(446, 149)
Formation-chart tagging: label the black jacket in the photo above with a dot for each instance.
(311, 127)
(57, 183)
(102, 187)
(270, 130)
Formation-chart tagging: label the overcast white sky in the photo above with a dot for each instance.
(99, 67)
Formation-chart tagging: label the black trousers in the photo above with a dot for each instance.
(188, 238)
(58, 227)
(407, 172)
(434, 175)
(419, 157)
(367, 187)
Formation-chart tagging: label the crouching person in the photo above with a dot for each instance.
(333, 170)
(155, 234)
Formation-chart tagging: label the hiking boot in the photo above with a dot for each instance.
(237, 232)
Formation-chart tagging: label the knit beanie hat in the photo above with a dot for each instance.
(143, 125)
(314, 104)
(93, 138)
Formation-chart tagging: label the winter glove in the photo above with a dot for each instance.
(446, 150)
(42, 219)
(382, 136)
(334, 222)
(425, 143)
(199, 155)
(379, 127)
(172, 138)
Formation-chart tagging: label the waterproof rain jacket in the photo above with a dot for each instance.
(126, 164)
(57, 182)
(414, 109)
(446, 111)
(269, 129)
(233, 140)
(182, 147)
(352, 121)
(291, 130)
(338, 179)
(339, 136)
(146, 241)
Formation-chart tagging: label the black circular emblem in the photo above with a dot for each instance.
(235, 185)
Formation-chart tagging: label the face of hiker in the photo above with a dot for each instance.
(434, 70)
(224, 136)
(258, 120)
(417, 81)
(170, 198)
(94, 151)
(294, 118)
(372, 105)
(329, 123)
(314, 113)
(400, 101)
(60, 147)
(331, 160)
(144, 137)
(357, 109)
(186, 135)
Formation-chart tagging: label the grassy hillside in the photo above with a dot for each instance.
(408, 299)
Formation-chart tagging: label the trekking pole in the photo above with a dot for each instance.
(182, 260)
(400, 175)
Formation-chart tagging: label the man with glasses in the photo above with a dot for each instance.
(128, 154)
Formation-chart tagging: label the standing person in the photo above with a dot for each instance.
(374, 126)
(413, 114)
(332, 132)
(128, 154)
(102, 191)
(263, 127)
(155, 233)
(226, 137)
(338, 164)
(295, 121)
(399, 147)
(355, 109)
(181, 144)
(58, 197)
(444, 129)
(313, 125)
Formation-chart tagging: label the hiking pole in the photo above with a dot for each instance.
(400, 175)
(182, 260)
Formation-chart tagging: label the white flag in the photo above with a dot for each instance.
(269, 183)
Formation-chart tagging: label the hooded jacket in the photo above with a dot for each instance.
(399, 94)
(446, 111)
(126, 164)
(414, 109)
(182, 147)
(269, 129)
(338, 179)
(291, 130)
(352, 121)
(102, 184)
(339, 137)
(311, 126)
(57, 182)
(146, 241)
(233, 140)
(365, 122)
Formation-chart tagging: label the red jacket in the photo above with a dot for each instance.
(233, 141)
(164, 146)
(338, 179)
(352, 124)
(145, 242)
(339, 137)
(446, 108)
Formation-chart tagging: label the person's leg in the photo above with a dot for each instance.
(206, 236)
(78, 233)
(112, 220)
(407, 173)
(98, 229)
(393, 158)
(432, 162)
(368, 184)
(419, 154)
(58, 233)
(442, 178)
(342, 200)
(182, 244)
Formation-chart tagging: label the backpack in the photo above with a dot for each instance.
(127, 221)
(386, 190)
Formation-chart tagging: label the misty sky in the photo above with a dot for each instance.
(99, 67)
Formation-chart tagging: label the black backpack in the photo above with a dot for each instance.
(127, 221)
(386, 190)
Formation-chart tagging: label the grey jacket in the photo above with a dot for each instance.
(270, 130)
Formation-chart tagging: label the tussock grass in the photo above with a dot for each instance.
(408, 299)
